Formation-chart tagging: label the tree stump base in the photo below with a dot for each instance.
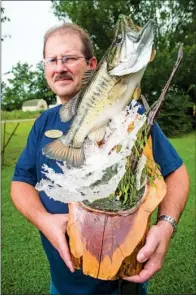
(104, 244)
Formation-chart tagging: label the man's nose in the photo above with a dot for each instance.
(60, 66)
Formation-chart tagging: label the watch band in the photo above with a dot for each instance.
(169, 219)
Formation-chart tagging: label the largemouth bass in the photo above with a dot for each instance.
(138, 172)
(110, 89)
(117, 181)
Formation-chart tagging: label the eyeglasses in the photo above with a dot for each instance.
(51, 62)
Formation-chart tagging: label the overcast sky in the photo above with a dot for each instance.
(29, 20)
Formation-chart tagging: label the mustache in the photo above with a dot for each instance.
(63, 75)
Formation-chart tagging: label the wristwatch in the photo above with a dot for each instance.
(169, 219)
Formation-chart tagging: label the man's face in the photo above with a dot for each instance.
(65, 79)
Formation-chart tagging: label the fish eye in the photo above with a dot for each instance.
(118, 40)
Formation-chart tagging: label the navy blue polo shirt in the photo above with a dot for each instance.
(28, 169)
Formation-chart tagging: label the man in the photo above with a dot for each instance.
(67, 55)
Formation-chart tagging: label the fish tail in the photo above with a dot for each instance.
(74, 156)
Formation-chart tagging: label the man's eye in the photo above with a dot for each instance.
(69, 58)
(52, 60)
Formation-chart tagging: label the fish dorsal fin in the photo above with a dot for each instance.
(68, 109)
(87, 77)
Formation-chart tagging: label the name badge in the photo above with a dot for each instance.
(54, 133)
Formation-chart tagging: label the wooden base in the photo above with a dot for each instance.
(105, 244)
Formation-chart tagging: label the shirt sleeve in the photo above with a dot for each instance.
(25, 169)
(164, 153)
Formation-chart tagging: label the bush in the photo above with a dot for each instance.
(175, 117)
(19, 114)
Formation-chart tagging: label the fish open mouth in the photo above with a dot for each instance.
(131, 47)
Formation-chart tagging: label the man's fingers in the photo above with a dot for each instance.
(54, 229)
(140, 278)
(153, 254)
(63, 247)
(150, 268)
(65, 255)
(149, 248)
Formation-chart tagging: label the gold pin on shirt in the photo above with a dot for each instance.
(54, 133)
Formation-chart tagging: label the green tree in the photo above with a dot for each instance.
(175, 117)
(98, 17)
(24, 85)
(4, 18)
(40, 88)
(19, 88)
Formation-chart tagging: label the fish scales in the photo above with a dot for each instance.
(92, 101)
(106, 108)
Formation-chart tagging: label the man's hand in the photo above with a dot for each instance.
(159, 235)
(153, 252)
(54, 227)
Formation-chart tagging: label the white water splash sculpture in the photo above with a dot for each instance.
(104, 166)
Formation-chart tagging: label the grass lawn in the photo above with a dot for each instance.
(24, 266)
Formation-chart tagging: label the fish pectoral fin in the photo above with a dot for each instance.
(56, 150)
(117, 91)
(98, 134)
(74, 156)
(68, 109)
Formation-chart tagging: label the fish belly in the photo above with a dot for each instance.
(93, 98)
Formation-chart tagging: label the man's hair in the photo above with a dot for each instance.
(68, 27)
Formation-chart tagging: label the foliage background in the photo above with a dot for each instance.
(24, 266)
(175, 23)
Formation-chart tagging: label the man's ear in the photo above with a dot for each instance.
(92, 63)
